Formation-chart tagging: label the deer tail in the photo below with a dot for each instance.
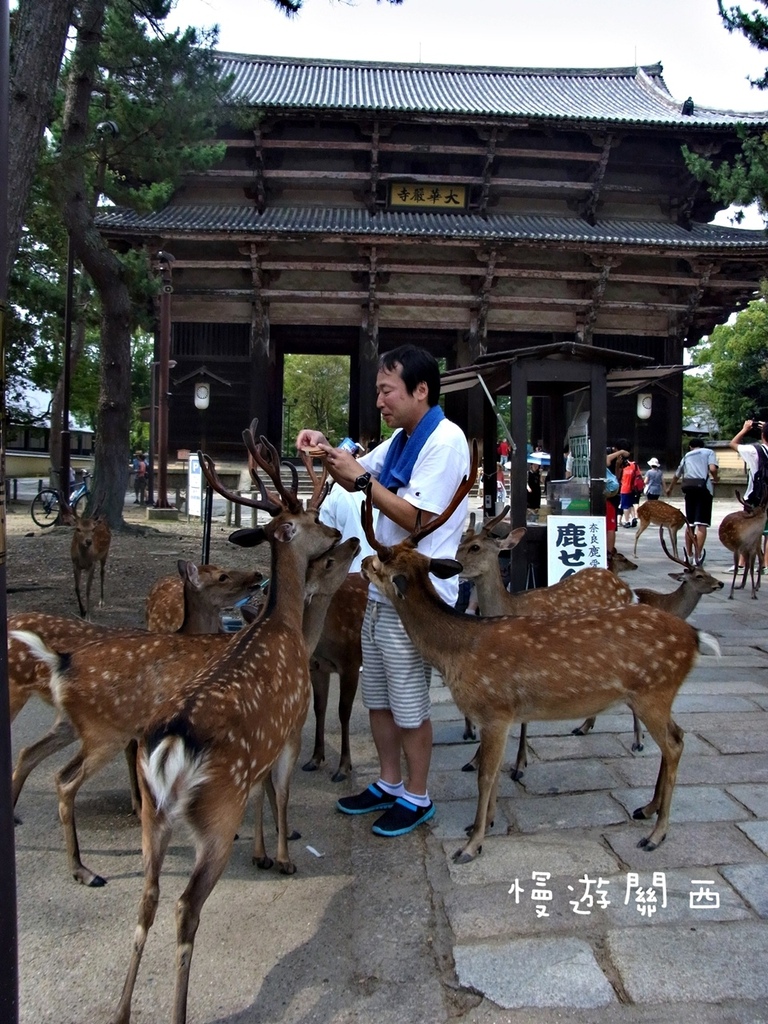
(707, 640)
(172, 767)
(56, 663)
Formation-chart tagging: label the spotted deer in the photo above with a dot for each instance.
(504, 669)
(196, 606)
(590, 589)
(91, 538)
(694, 583)
(663, 515)
(167, 611)
(742, 533)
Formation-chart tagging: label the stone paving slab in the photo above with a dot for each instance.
(754, 797)
(731, 741)
(504, 858)
(534, 972)
(733, 684)
(483, 911)
(714, 704)
(751, 881)
(688, 844)
(689, 803)
(673, 965)
(573, 776)
(558, 748)
(453, 816)
(724, 769)
(574, 810)
(757, 831)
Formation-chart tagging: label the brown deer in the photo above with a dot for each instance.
(663, 515)
(590, 589)
(220, 734)
(538, 672)
(196, 607)
(91, 538)
(694, 583)
(167, 611)
(742, 533)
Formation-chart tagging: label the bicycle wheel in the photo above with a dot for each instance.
(45, 508)
(78, 505)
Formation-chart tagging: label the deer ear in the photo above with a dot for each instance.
(250, 537)
(444, 568)
(512, 539)
(679, 576)
(400, 583)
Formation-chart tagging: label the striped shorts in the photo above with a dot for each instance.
(394, 675)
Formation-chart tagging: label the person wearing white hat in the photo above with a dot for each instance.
(654, 480)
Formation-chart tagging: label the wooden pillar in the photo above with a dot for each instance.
(518, 467)
(368, 364)
(598, 434)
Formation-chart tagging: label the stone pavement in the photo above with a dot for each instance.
(561, 918)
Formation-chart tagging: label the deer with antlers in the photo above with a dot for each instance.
(538, 673)
(663, 515)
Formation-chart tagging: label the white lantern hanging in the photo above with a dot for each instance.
(202, 394)
(644, 403)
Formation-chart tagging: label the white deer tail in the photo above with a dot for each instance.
(707, 640)
(172, 771)
(56, 663)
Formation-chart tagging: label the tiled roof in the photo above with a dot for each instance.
(246, 220)
(635, 95)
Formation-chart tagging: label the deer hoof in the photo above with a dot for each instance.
(265, 863)
(340, 776)
(637, 747)
(95, 882)
(469, 767)
(286, 868)
(649, 846)
(516, 774)
(639, 814)
(579, 731)
(294, 836)
(462, 857)
(311, 766)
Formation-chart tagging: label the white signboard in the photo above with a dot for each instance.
(194, 488)
(574, 543)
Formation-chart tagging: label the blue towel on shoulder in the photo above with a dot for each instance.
(404, 450)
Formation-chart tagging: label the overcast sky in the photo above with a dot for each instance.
(700, 58)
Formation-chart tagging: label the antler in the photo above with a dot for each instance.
(462, 491)
(265, 503)
(266, 457)
(320, 487)
(366, 512)
(686, 563)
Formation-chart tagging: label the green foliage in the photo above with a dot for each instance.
(734, 382)
(743, 180)
(317, 396)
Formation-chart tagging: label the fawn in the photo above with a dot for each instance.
(663, 514)
(91, 539)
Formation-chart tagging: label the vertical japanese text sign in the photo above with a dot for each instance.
(574, 543)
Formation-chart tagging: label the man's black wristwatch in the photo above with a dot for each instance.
(361, 484)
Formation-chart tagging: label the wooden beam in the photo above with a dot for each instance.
(694, 300)
(490, 155)
(513, 152)
(598, 179)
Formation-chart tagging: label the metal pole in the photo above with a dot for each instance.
(65, 442)
(207, 517)
(9, 949)
(152, 435)
(165, 259)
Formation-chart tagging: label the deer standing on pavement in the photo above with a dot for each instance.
(590, 589)
(663, 515)
(502, 670)
(694, 583)
(219, 735)
(195, 607)
(742, 533)
(91, 538)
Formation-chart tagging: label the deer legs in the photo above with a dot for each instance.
(493, 740)
(60, 735)
(588, 723)
(277, 785)
(669, 737)
(347, 692)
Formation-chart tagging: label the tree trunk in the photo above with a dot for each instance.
(113, 418)
(57, 405)
(39, 33)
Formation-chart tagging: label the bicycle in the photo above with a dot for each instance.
(46, 504)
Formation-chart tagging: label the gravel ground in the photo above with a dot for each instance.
(39, 573)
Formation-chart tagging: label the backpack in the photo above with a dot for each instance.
(638, 484)
(759, 493)
(141, 469)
